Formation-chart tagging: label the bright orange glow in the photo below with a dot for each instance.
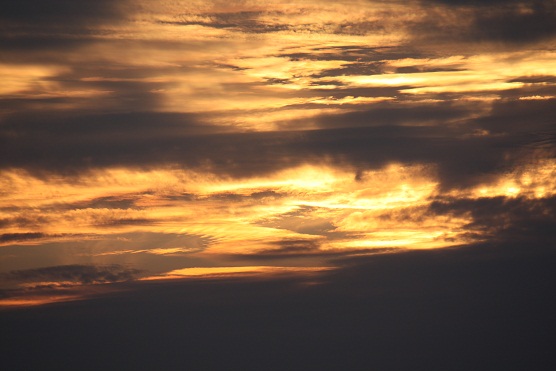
(27, 79)
(528, 180)
(235, 271)
(242, 224)
(29, 301)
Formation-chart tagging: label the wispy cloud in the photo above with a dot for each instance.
(76, 274)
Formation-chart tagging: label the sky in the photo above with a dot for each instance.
(328, 165)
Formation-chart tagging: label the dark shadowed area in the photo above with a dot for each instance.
(480, 307)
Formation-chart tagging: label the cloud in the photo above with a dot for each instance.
(478, 3)
(61, 25)
(511, 22)
(428, 305)
(509, 220)
(514, 117)
(18, 237)
(535, 23)
(242, 21)
(99, 141)
(394, 114)
(251, 18)
(128, 129)
(59, 14)
(187, 136)
(306, 251)
(33, 238)
(292, 247)
(74, 274)
(60, 283)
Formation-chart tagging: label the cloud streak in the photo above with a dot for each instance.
(76, 274)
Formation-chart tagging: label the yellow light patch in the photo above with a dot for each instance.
(238, 270)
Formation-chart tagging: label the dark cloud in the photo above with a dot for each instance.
(118, 222)
(34, 32)
(30, 48)
(52, 140)
(253, 22)
(108, 202)
(536, 79)
(478, 3)
(521, 116)
(545, 141)
(17, 238)
(360, 140)
(39, 238)
(392, 114)
(513, 25)
(76, 274)
(481, 307)
(23, 220)
(359, 28)
(304, 251)
(531, 92)
(357, 68)
(419, 69)
(57, 25)
(92, 88)
(512, 22)
(358, 54)
(461, 161)
(519, 219)
(231, 197)
(292, 247)
(60, 13)
(245, 22)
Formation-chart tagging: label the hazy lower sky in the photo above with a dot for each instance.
(153, 142)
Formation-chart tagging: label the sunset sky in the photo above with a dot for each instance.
(148, 147)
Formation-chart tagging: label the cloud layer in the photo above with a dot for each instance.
(210, 134)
